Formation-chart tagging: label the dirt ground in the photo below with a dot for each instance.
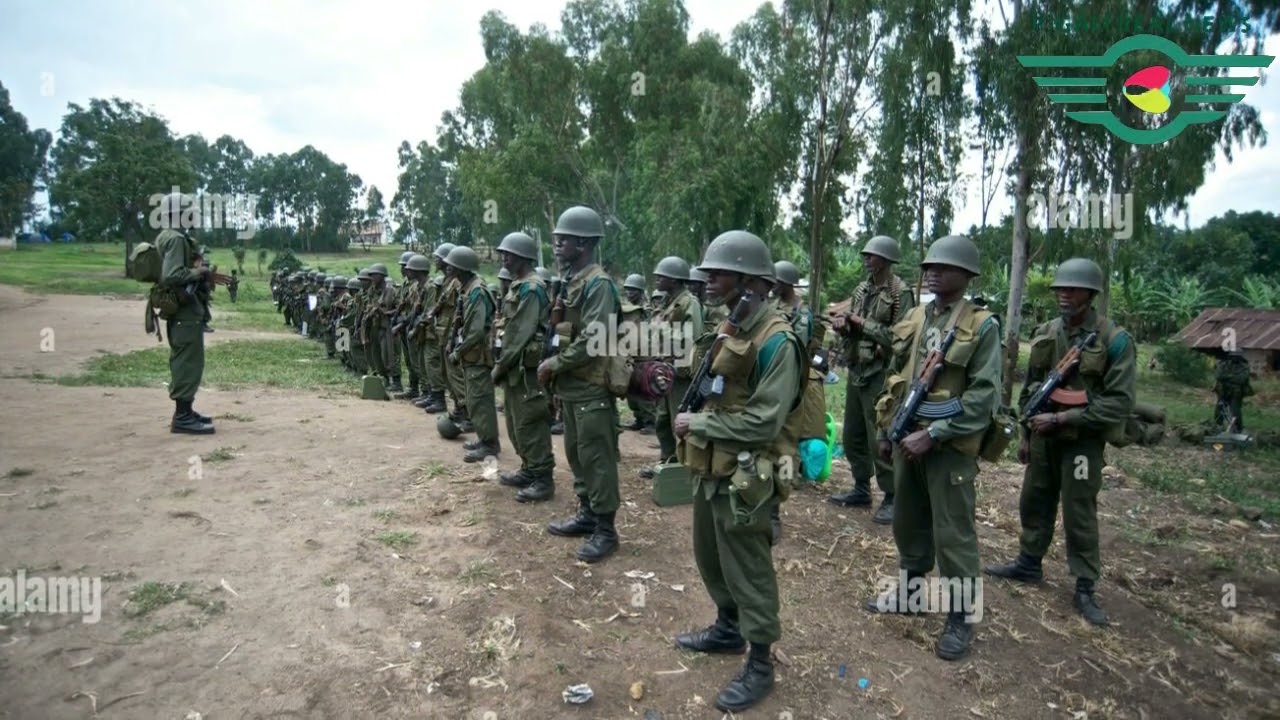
(293, 607)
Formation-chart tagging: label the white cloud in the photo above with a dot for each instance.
(355, 79)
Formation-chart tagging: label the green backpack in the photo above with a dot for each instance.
(146, 263)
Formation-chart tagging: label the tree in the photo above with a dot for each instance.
(22, 163)
(112, 163)
(374, 207)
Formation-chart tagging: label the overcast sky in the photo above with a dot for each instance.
(354, 79)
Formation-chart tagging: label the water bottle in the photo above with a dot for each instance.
(746, 472)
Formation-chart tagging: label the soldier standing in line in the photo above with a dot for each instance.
(181, 275)
(680, 322)
(337, 306)
(379, 303)
(1062, 444)
(588, 301)
(1231, 383)
(522, 337)
(737, 447)
(400, 344)
(472, 351)
(935, 466)
(635, 312)
(433, 352)
(878, 303)
(411, 312)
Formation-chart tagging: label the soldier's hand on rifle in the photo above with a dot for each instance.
(837, 322)
(855, 320)
(886, 450)
(681, 424)
(1024, 451)
(544, 371)
(917, 445)
(1044, 423)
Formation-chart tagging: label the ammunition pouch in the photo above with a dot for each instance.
(165, 300)
(999, 434)
(749, 492)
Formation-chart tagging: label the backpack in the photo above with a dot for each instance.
(146, 263)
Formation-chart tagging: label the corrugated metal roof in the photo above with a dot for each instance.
(1254, 329)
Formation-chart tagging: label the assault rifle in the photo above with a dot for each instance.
(1051, 389)
(455, 327)
(914, 406)
(703, 386)
(558, 290)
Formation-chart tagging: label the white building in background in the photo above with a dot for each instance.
(369, 232)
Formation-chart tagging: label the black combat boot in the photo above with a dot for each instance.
(584, 523)
(422, 400)
(752, 683)
(859, 496)
(603, 542)
(647, 472)
(410, 392)
(472, 444)
(775, 524)
(395, 386)
(722, 636)
(518, 479)
(1087, 604)
(649, 429)
(956, 637)
(541, 488)
(884, 513)
(557, 427)
(435, 403)
(1023, 568)
(482, 451)
(186, 422)
(890, 602)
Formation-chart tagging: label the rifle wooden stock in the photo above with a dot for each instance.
(1069, 398)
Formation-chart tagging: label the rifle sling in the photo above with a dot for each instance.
(953, 320)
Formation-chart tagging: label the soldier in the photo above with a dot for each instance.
(337, 305)
(1231, 376)
(348, 326)
(472, 351)
(233, 287)
(588, 300)
(936, 464)
(635, 312)
(504, 281)
(433, 349)
(1062, 444)
(400, 344)
(297, 301)
(181, 275)
(878, 303)
(656, 301)
(379, 303)
(744, 431)
(713, 315)
(680, 322)
(522, 337)
(410, 325)
(359, 353)
(447, 314)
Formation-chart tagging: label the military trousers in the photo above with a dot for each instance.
(186, 358)
(456, 383)
(1070, 472)
(667, 408)
(1230, 405)
(377, 350)
(736, 561)
(432, 364)
(480, 400)
(933, 512)
(528, 419)
(359, 358)
(591, 446)
(643, 410)
(412, 352)
(859, 436)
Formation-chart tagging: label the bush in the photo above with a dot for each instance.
(1182, 364)
(285, 260)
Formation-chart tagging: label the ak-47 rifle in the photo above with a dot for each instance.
(455, 327)
(559, 288)
(703, 386)
(914, 406)
(1051, 389)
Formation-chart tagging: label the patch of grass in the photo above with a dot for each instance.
(1246, 478)
(433, 470)
(222, 454)
(151, 596)
(353, 502)
(284, 363)
(398, 538)
(328, 581)
(234, 416)
(183, 492)
(20, 472)
(386, 515)
(479, 572)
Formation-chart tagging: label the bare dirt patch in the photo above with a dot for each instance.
(337, 559)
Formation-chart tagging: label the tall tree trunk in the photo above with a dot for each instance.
(1021, 245)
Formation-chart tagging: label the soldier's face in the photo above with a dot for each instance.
(1072, 301)
(873, 263)
(508, 262)
(665, 284)
(565, 248)
(945, 279)
(633, 296)
(722, 287)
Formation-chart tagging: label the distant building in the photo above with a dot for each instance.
(369, 231)
(1253, 332)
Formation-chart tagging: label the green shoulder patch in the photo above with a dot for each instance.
(1119, 344)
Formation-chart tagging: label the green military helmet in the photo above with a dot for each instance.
(443, 251)
(955, 250)
(296, 277)
(672, 267)
(378, 269)
(364, 274)
(738, 251)
(520, 245)
(339, 281)
(354, 284)
(580, 221)
(321, 277)
(418, 262)
(503, 274)
(404, 257)
(463, 258)
(883, 246)
(787, 273)
(697, 276)
(543, 273)
(447, 428)
(1078, 273)
(635, 281)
